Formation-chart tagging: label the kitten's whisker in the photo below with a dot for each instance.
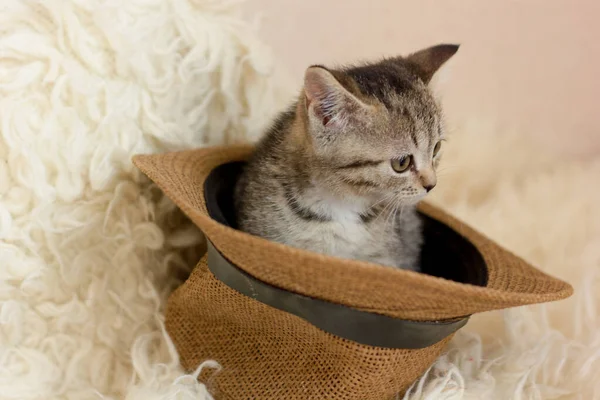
(387, 205)
(446, 164)
(387, 197)
(394, 203)
(400, 215)
(393, 214)
(397, 207)
(445, 169)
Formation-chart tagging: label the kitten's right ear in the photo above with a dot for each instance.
(429, 60)
(327, 99)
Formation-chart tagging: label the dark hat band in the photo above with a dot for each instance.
(358, 326)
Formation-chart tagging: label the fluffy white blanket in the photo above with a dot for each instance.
(90, 251)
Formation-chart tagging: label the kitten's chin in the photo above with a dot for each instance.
(413, 200)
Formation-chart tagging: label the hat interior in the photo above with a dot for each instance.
(445, 253)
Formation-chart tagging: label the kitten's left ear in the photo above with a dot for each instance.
(429, 60)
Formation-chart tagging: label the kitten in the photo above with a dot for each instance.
(341, 171)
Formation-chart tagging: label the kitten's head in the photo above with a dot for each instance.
(375, 130)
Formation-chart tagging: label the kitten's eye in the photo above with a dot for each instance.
(437, 148)
(402, 164)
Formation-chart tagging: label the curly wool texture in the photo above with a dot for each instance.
(90, 251)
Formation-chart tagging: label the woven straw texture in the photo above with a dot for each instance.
(269, 354)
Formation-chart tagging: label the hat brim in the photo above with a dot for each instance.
(362, 285)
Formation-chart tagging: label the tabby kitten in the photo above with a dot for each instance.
(341, 171)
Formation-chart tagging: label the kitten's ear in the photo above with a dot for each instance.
(429, 60)
(330, 102)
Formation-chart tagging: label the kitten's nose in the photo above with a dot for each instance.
(428, 179)
(429, 186)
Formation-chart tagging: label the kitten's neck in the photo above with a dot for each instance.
(331, 206)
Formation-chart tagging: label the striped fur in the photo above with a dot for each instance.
(321, 178)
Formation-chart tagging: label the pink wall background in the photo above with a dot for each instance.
(530, 65)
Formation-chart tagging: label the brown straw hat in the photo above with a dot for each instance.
(289, 323)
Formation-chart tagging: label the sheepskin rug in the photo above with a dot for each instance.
(90, 250)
